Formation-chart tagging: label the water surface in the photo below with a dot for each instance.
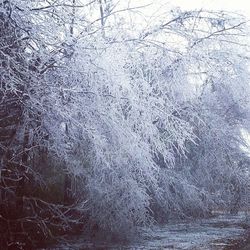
(205, 234)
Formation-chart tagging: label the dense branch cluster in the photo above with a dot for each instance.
(127, 128)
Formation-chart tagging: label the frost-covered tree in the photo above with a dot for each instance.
(25, 217)
(146, 128)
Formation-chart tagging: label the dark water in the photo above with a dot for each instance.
(205, 234)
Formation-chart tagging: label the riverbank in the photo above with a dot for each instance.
(242, 243)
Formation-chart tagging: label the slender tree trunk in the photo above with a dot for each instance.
(102, 18)
(73, 18)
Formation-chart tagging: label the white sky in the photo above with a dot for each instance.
(241, 6)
